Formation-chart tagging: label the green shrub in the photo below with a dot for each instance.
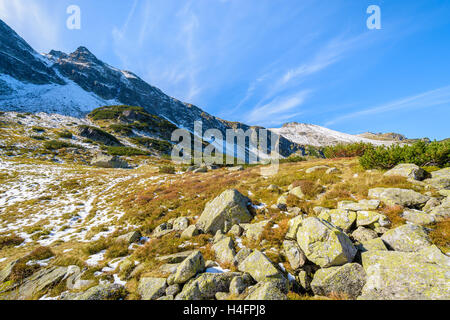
(167, 169)
(98, 132)
(112, 112)
(121, 129)
(65, 134)
(293, 158)
(159, 145)
(125, 151)
(38, 129)
(420, 153)
(40, 138)
(57, 144)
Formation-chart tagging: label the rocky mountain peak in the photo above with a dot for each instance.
(82, 54)
(55, 54)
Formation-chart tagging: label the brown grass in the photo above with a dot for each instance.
(40, 253)
(21, 271)
(309, 188)
(440, 235)
(117, 249)
(394, 214)
(10, 241)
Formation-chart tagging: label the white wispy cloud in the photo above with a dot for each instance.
(280, 108)
(29, 19)
(432, 98)
(277, 83)
(119, 33)
(188, 37)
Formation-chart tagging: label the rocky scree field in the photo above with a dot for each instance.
(88, 213)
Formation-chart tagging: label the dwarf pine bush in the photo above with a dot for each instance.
(420, 153)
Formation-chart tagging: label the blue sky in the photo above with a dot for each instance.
(267, 62)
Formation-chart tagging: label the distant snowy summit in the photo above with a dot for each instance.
(314, 135)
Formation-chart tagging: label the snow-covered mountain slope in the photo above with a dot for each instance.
(313, 135)
(68, 99)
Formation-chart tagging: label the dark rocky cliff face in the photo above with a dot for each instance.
(21, 62)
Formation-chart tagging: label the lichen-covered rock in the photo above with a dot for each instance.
(202, 169)
(372, 245)
(371, 219)
(442, 211)
(260, 267)
(273, 187)
(418, 217)
(169, 297)
(293, 226)
(348, 280)
(304, 279)
(100, 292)
(294, 254)
(130, 237)
(222, 296)
(282, 202)
(332, 170)
(359, 206)
(162, 230)
(407, 238)
(190, 232)
(236, 230)
(254, 231)
(223, 212)
(266, 290)
(240, 283)
(152, 288)
(173, 290)
(363, 234)
(431, 204)
(297, 191)
(38, 282)
(224, 250)
(444, 193)
(341, 218)
(440, 179)
(241, 256)
(190, 267)
(324, 244)
(404, 197)
(107, 161)
(393, 275)
(316, 168)
(319, 210)
(218, 236)
(180, 224)
(206, 285)
(236, 168)
(407, 170)
(6, 271)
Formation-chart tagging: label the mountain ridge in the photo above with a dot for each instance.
(79, 82)
(76, 83)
